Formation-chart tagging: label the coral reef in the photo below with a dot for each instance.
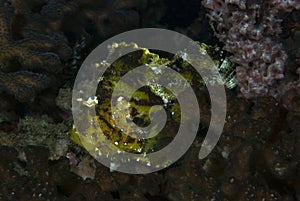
(252, 32)
(257, 158)
(23, 84)
(36, 36)
(38, 131)
(37, 179)
(79, 19)
(26, 63)
(113, 17)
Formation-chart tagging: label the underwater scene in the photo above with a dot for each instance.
(149, 100)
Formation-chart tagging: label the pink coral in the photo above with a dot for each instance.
(251, 31)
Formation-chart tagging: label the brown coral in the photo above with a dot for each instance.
(30, 52)
(23, 84)
(24, 63)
